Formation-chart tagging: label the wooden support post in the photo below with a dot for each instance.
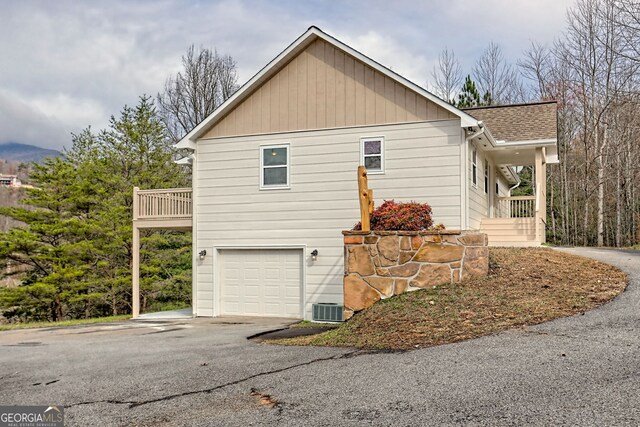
(366, 198)
(135, 262)
(135, 273)
(541, 194)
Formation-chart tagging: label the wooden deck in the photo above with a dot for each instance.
(170, 208)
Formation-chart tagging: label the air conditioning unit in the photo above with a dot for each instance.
(326, 312)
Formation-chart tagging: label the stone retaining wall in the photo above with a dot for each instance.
(381, 264)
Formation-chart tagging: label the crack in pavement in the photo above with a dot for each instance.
(135, 404)
(93, 402)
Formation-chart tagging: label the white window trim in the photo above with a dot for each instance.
(474, 167)
(262, 167)
(382, 156)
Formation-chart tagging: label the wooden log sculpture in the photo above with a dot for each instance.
(366, 199)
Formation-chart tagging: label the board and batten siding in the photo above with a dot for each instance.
(324, 87)
(422, 164)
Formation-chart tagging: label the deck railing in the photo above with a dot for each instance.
(515, 207)
(170, 203)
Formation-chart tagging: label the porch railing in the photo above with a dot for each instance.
(170, 203)
(515, 207)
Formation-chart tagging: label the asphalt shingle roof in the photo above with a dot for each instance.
(521, 122)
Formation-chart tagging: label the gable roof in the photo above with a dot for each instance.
(533, 122)
(302, 42)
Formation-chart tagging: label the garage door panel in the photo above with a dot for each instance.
(265, 282)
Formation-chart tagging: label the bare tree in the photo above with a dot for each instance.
(495, 76)
(206, 81)
(627, 18)
(603, 77)
(447, 76)
(537, 66)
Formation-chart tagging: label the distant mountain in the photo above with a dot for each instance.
(15, 152)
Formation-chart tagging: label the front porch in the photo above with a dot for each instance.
(517, 135)
(519, 221)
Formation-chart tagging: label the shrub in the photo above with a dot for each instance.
(394, 216)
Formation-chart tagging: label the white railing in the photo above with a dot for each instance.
(515, 207)
(170, 203)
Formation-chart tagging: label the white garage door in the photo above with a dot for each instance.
(265, 282)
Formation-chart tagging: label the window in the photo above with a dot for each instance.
(372, 154)
(486, 176)
(274, 166)
(497, 189)
(474, 167)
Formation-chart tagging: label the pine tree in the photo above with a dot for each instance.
(470, 97)
(76, 240)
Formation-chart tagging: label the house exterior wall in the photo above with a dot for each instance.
(422, 163)
(503, 186)
(478, 202)
(324, 87)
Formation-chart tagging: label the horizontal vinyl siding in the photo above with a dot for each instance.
(421, 164)
(478, 206)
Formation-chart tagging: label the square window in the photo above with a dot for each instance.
(372, 154)
(274, 166)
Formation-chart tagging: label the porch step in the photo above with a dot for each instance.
(519, 244)
(513, 232)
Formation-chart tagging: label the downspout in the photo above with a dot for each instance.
(194, 234)
(514, 187)
(465, 222)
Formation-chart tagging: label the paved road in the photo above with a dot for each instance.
(583, 370)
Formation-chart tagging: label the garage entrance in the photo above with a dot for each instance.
(261, 282)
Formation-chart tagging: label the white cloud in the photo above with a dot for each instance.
(23, 122)
(392, 54)
(65, 65)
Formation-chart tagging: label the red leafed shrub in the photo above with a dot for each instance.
(394, 216)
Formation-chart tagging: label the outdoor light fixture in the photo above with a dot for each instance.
(314, 255)
(202, 253)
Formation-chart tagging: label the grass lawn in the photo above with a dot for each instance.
(31, 325)
(525, 286)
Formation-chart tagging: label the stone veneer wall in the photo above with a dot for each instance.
(381, 264)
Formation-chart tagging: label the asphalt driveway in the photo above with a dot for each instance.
(583, 370)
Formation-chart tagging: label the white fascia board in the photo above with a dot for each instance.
(185, 143)
(188, 141)
(552, 155)
(528, 143)
(184, 161)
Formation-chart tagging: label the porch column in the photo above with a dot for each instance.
(135, 262)
(135, 274)
(541, 194)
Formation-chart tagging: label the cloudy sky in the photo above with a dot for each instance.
(65, 65)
